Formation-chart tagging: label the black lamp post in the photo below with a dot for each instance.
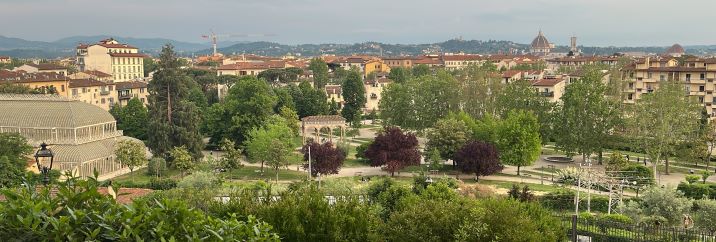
(42, 157)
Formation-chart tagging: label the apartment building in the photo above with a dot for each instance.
(696, 74)
(374, 92)
(98, 93)
(455, 62)
(551, 88)
(122, 61)
(42, 68)
(39, 80)
(132, 89)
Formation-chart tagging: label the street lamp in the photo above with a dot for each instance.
(42, 157)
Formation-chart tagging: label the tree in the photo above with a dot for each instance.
(320, 72)
(231, 159)
(132, 119)
(309, 101)
(14, 151)
(149, 66)
(173, 119)
(421, 70)
(662, 119)
(325, 159)
(270, 144)
(131, 154)
(394, 149)
(709, 138)
(616, 162)
(479, 91)
(587, 116)
(419, 103)
(399, 74)
(182, 160)
(520, 95)
(249, 103)
(705, 215)
(284, 99)
(479, 158)
(448, 136)
(433, 156)
(666, 203)
(354, 98)
(334, 108)
(291, 118)
(518, 139)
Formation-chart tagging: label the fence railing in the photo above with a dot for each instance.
(593, 230)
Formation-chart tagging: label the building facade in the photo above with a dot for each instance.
(98, 93)
(83, 137)
(122, 61)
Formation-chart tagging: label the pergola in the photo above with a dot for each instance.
(316, 123)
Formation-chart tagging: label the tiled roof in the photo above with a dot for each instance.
(324, 118)
(334, 89)
(24, 77)
(511, 73)
(43, 111)
(97, 73)
(47, 66)
(74, 83)
(547, 82)
(463, 58)
(130, 85)
(253, 65)
(127, 55)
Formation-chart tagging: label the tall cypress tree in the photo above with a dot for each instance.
(173, 119)
(353, 97)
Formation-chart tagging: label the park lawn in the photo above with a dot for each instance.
(551, 151)
(547, 169)
(508, 185)
(254, 173)
(355, 162)
(141, 176)
(362, 140)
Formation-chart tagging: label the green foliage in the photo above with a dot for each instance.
(616, 218)
(662, 202)
(247, 106)
(309, 101)
(705, 175)
(354, 98)
(386, 193)
(518, 139)
(697, 191)
(304, 214)
(78, 212)
(520, 95)
(642, 175)
(705, 214)
(421, 70)
(662, 119)
(173, 119)
(156, 166)
(520, 194)
(231, 159)
(448, 136)
(616, 162)
(149, 66)
(14, 151)
(200, 180)
(360, 150)
(320, 72)
(510, 220)
(182, 159)
(587, 116)
(132, 119)
(692, 179)
(271, 144)
(399, 74)
(291, 118)
(131, 154)
(419, 103)
(434, 158)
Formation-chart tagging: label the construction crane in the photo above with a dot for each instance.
(213, 36)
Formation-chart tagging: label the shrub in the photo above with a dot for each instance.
(616, 218)
(156, 166)
(200, 180)
(695, 190)
(360, 150)
(692, 178)
(78, 212)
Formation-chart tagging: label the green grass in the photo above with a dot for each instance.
(547, 169)
(508, 185)
(254, 173)
(550, 151)
(354, 163)
(363, 139)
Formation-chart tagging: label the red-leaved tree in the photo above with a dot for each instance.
(325, 159)
(479, 158)
(394, 149)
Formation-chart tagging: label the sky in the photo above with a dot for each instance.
(594, 22)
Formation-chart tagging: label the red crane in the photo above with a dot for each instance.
(213, 36)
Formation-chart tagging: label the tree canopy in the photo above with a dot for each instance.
(394, 149)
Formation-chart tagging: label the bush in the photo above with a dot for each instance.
(360, 150)
(78, 212)
(156, 166)
(616, 218)
(200, 180)
(693, 178)
(563, 200)
(696, 190)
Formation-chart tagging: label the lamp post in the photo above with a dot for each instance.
(42, 157)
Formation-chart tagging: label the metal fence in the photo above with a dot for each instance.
(592, 230)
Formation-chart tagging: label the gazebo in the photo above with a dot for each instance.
(316, 123)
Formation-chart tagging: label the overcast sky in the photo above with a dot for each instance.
(594, 22)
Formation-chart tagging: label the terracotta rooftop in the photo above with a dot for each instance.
(253, 65)
(47, 66)
(463, 57)
(87, 83)
(97, 73)
(24, 77)
(549, 82)
(130, 85)
(334, 89)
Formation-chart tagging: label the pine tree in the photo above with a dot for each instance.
(173, 119)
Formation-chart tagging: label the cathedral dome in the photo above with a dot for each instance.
(676, 49)
(540, 41)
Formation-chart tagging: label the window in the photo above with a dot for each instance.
(84, 90)
(630, 96)
(74, 91)
(701, 99)
(102, 100)
(661, 77)
(648, 75)
(111, 88)
(63, 88)
(701, 88)
(702, 76)
(111, 101)
(141, 90)
(688, 77)
(631, 85)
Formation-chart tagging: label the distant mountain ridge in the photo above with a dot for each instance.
(18, 47)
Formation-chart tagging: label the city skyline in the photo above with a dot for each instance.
(602, 23)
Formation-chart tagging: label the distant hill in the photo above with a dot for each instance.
(25, 48)
(65, 47)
